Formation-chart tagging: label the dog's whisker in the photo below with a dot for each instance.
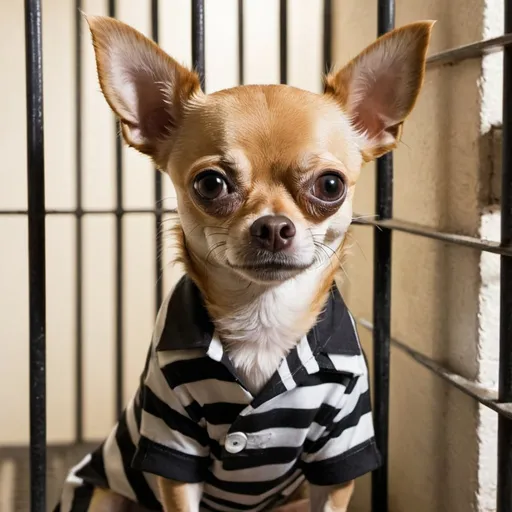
(324, 248)
(160, 201)
(197, 226)
(366, 216)
(209, 254)
(353, 237)
(405, 144)
(218, 234)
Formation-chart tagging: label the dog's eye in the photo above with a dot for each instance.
(329, 187)
(211, 185)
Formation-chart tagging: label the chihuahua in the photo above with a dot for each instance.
(255, 382)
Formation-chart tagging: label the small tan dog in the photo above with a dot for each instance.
(255, 381)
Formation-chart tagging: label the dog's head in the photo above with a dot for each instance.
(264, 175)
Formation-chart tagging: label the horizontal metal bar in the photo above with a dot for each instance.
(398, 225)
(20, 450)
(425, 231)
(470, 51)
(156, 211)
(485, 396)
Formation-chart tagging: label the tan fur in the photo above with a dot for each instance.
(339, 498)
(104, 500)
(174, 496)
(271, 143)
(281, 135)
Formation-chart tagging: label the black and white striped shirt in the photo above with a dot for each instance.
(192, 419)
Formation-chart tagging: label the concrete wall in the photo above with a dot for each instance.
(442, 453)
(439, 456)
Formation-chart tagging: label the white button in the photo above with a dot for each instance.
(236, 442)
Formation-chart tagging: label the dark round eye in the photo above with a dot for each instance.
(211, 185)
(329, 188)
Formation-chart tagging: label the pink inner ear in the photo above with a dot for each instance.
(367, 120)
(153, 111)
(377, 103)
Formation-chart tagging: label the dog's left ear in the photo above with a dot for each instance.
(146, 89)
(378, 89)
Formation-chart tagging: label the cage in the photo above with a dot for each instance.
(48, 463)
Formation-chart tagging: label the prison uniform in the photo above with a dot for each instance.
(192, 419)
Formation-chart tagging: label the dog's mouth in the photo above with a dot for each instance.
(270, 271)
(257, 267)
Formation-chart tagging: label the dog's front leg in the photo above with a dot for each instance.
(334, 498)
(179, 496)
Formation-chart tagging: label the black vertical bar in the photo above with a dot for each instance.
(283, 41)
(504, 489)
(198, 40)
(158, 187)
(78, 232)
(382, 298)
(119, 356)
(36, 252)
(327, 40)
(241, 77)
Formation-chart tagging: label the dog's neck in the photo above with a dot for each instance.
(259, 324)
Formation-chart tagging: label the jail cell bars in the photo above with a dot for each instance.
(383, 228)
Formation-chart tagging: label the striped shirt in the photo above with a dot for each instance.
(192, 419)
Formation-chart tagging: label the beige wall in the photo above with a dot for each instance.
(436, 288)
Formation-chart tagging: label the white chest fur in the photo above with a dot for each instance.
(262, 332)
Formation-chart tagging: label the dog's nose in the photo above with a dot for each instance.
(273, 232)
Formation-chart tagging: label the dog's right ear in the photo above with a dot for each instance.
(147, 89)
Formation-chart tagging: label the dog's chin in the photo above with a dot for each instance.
(270, 272)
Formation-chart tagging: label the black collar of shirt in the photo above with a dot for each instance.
(188, 325)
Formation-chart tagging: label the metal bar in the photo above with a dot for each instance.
(327, 39)
(78, 229)
(198, 40)
(241, 77)
(19, 451)
(427, 232)
(36, 252)
(470, 51)
(119, 355)
(382, 298)
(94, 212)
(283, 41)
(504, 488)
(159, 269)
(14, 212)
(487, 397)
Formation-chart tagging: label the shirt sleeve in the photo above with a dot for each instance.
(171, 444)
(347, 449)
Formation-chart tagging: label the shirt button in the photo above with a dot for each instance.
(235, 442)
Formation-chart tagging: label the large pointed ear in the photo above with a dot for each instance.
(378, 89)
(147, 89)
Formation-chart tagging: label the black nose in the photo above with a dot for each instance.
(273, 232)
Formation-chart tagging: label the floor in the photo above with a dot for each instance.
(14, 474)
